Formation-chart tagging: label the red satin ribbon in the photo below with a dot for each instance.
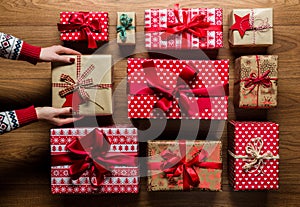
(175, 165)
(91, 153)
(181, 91)
(80, 21)
(196, 26)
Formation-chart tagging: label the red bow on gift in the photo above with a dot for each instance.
(91, 153)
(80, 21)
(255, 80)
(168, 94)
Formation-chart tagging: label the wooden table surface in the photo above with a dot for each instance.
(24, 163)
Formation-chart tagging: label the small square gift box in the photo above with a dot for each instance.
(94, 160)
(256, 81)
(84, 26)
(251, 27)
(86, 85)
(184, 165)
(126, 28)
(185, 28)
(253, 155)
(177, 89)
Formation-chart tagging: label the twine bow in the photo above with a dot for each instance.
(81, 21)
(91, 153)
(254, 160)
(126, 24)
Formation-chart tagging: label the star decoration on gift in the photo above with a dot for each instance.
(242, 24)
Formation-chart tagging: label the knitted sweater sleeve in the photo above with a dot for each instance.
(10, 120)
(15, 48)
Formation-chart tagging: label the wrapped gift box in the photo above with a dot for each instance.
(253, 155)
(175, 89)
(251, 27)
(85, 85)
(84, 26)
(186, 28)
(256, 81)
(126, 28)
(184, 165)
(94, 160)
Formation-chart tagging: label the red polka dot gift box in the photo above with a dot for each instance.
(184, 165)
(253, 155)
(84, 26)
(94, 160)
(177, 89)
(184, 28)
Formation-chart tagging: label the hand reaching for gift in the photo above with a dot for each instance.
(56, 116)
(53, 54)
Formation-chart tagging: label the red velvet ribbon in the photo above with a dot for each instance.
(196, 26)
(181, 91)
(91, 153)
(80, 21)
(175, 165)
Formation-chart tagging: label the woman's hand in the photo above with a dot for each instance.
(56, 116)
(53, 54)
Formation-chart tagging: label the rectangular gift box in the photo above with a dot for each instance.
(84, 26)
(177, 89)
(184, 165)
(253, 155)
(185, 28)
(126, 28)
(251, 27)
(85, 85)
(94, 160)
(256, 81)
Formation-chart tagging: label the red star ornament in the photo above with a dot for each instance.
(242, 24)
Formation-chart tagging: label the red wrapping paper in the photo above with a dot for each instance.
(246, 138)
(122, 178)
(209, 75)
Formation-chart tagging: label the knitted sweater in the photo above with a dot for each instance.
(16, 49)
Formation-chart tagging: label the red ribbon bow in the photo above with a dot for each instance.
(91, 153)
(81, 21)
(181, 91)
(175, 165)
(255, 80)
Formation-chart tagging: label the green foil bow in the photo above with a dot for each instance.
(126, 24)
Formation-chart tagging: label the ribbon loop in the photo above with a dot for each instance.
(126, 24)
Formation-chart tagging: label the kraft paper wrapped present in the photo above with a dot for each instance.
(84, 26)
(251, 27)
(126, 28)
(256, 79)
(185, 28)
(184, 165)
(177, 89)
(86, 85)
(253, 155)
(94, 160)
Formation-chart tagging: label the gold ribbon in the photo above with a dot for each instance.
(254, 159)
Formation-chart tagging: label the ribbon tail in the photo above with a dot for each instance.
(164, 104)
(91, 41)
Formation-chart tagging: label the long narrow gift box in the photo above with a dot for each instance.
(184, 165)
(175, 89)
(253, 155)
(94, 160)
(251, 27)
(126, 28)
(256, 81)
(85, 85)
(186, 28)
(84, 26)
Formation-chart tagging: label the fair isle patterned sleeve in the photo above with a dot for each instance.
(10, 120)
(16, 49)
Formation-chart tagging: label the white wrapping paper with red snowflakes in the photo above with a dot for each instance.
(175, 89)
(185, 28)
(88, 26)
(94, 160)
(253, 155)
